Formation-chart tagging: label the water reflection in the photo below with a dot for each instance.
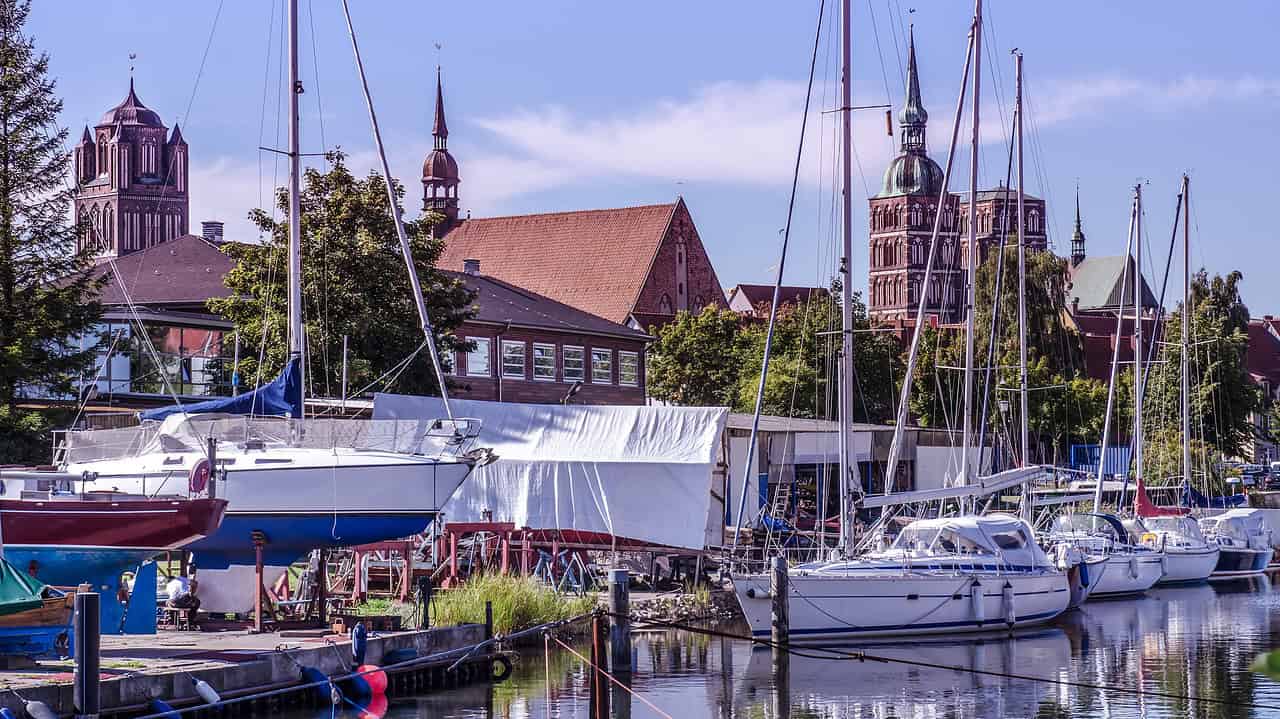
(1177, 642)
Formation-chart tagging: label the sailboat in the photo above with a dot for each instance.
(958, 574)
(292, 484)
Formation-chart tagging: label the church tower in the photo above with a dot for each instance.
(1077, 236)
(131, 181)
(902, 217)
(440, 170)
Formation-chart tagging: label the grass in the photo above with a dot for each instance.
(518, 603)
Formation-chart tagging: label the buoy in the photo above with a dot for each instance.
(376, 678)
(1010, 615)
(375, 708)
(198, 478)
(161, 707)
(359, 643)
(357, 688)
(976, 600)
(399, 656)
(320, 682)
(205, 691)
(1084, 574)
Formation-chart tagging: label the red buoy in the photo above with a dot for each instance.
(376, 678)
(375, 708)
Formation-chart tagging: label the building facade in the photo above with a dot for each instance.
(131, 181)
(636, 266)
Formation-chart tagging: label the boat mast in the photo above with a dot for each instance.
(1137, 333)
(971, 301)
(1115, 362)
(1025, 445)
(846, 280)
(295, 205)
(1186, 331)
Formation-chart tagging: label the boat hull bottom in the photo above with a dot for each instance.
(1234, 563)
(290, 536)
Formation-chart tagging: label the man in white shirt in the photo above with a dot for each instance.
(182, 595)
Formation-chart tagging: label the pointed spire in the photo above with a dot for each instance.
(176, 137)
(440, 130)
(87, 138)
(1077, 236)
(913, 117)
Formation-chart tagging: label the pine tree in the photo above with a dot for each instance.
(47, 293)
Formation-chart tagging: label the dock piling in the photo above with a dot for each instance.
(620, 632)
(778, 590)
(599, 682)
(488, 620)
(87, 628)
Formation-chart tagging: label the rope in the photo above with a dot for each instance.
(860, 656)
(610, 677)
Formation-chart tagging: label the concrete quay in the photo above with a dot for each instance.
(136, 669)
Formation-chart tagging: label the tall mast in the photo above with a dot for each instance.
(971, 301)
(1025, 445)
(1115, 363)
(1186, 331)
(1137, 334)
(846, 291)
(295, 203)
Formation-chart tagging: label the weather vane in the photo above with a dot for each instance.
(132, 56)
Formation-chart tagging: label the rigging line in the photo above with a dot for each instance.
(894, 22)
(782, 261)
(266, 87)
(875, 30)
(609, 676)
(315, 61)
(275, 205)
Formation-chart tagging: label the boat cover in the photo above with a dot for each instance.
(1144, 507)
(280, 397)
(637, 473)
(19, 591)
(1192, 498)
(999, 534)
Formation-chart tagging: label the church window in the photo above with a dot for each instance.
(664, 305)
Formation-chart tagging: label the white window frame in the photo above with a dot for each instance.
(524, 359)
(609, 354)
(544, 346)
(487, 345)
(622, 356)
(581, 351)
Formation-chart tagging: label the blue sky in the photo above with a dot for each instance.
(570, 105)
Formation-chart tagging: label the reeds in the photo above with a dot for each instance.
(518, 603)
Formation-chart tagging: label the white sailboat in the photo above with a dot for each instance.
(292, 484)
(968, 573)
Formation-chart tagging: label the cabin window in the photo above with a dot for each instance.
(513, 359)
(629, 369)
(1010, 540)
(478, 358)
(574, 364)
(601, 366)
(544, 362)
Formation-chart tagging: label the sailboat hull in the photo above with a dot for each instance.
(1128, 573)
(1236, 562)
(1188, 566)
(832, 608)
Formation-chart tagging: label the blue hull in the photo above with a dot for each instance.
(35, 641)
(290, 536)
(100, 568)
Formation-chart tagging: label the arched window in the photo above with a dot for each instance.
(664, 305)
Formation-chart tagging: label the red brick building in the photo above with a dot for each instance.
(902, 218)
(530, 348)
(131, 180)
(636, 266)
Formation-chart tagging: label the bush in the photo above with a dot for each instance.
(24, 437)
(518, 603)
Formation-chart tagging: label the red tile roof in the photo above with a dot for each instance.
(186, 270)
(757, 294)
(1263, 355)
(595, 260)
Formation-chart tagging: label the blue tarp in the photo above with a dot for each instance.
(282, 397)
(1192, 498)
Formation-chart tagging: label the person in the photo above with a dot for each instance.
(182, 595)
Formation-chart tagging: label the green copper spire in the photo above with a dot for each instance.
(913, 117)
(1077, 236)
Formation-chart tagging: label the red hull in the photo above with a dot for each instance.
(158, 524)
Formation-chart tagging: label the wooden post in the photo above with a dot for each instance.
(620, 633)
(506, 553)
(778, 591)
(488, 620)
(599, 682)
(259, 539)
(87, 628)
(526, 554)
(322, 585)
(453, 558)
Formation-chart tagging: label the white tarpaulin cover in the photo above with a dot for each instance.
(640, 473)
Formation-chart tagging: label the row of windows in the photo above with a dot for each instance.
(573, 364)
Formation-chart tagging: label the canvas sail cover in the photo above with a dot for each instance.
(281, 397)
(635, 473)
(1192, 498)
(1144, 507)
(19, 591)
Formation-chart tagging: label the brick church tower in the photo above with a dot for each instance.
(902, 217)
(131, 181)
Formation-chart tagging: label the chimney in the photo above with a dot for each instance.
(211, 230)
(471, 266)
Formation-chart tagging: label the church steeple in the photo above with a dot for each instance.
(1077, 236)
(440, 171)
(913, 117)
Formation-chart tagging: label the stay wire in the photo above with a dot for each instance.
(835, 654)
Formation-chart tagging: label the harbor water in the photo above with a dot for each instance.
(1195, 641)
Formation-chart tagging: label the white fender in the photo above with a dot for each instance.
(1010, 614)
(976, 599)
(1133, 566)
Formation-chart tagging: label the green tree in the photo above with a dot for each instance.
(48, 296)
(353, 283)
(1223, 396)
(695, 360)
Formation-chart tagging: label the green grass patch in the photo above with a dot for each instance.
(518, 603)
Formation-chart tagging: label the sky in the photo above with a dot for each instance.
(565, 104)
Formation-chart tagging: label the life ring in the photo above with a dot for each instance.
(501, 668)
(198, 478)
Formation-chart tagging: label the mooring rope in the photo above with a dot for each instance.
(610, 677)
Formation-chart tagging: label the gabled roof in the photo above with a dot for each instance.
(185, 270)
(1100, 282)
(1262, 358)
(594, 260)
(754, 295)
(498, 302)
